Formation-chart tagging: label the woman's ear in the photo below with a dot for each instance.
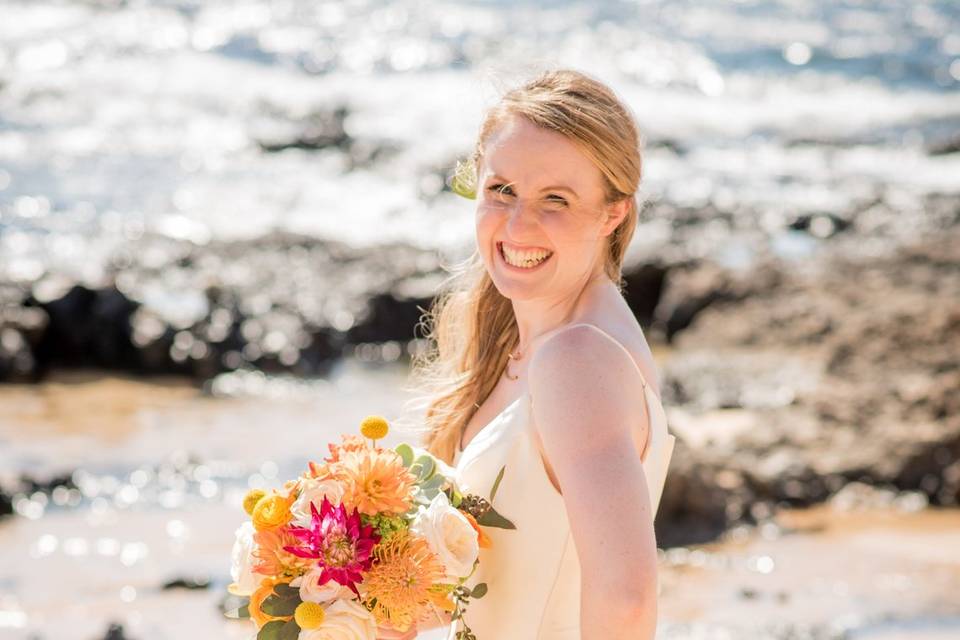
(615, 212)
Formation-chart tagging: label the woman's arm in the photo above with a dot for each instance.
(584, 388)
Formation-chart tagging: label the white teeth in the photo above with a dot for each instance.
(524, 258)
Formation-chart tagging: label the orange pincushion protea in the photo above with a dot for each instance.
(376, 482)
(402, 580)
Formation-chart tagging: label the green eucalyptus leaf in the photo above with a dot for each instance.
(289, 631)
(240, 613)
(274, 606)
(493, 519)
(406, 453)
(496, 483)
(284, 591)
(479, 590)
(271, 630)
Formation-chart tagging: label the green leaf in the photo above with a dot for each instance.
(274, 606)
(433, 484)
(437, 480)
(427, 467)
(239, 613)
(493, 519)
(289, 631)
(496, 483)
(406, 453)
(271, 630)
(479, 590)
(284, 591)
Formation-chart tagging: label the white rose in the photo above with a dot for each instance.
(344, 620)
(245, 581)
(450, 535)
(312, 591)
(313, 490)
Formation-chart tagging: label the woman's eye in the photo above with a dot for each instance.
(557, 200)
(499, 189)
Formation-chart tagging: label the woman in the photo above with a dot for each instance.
(541, 369)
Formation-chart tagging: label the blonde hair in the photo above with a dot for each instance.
(470, 325)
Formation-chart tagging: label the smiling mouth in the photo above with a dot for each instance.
(523, 259)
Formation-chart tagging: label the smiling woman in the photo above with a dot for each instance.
(574, 423)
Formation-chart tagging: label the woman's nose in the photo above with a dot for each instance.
(522, 216)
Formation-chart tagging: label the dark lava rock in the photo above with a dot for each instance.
(194, 583)
(115, 632)
(6, 503)
(318, 130)
(322, 128)
(87, 327)
(279, 303)
(944, 147)
(848, 374)
(643, 289)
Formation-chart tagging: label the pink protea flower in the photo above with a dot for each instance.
(337, 541)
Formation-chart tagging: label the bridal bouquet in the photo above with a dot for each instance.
(368, 537)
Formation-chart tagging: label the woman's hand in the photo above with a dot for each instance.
(389, 633)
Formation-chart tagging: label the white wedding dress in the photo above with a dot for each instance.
(532, 572)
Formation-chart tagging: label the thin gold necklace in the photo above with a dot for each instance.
(519, 354)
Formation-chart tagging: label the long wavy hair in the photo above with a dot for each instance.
(470, 326)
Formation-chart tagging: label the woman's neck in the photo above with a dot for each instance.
(540, 316)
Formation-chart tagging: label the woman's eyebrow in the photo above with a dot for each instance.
(560, 187)
(555, 187)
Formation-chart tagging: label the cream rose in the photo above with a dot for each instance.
(313, 490)
(450, 535)
(343, 620)
(312, 591)
(245, 581)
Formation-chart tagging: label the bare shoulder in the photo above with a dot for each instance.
(581, 379)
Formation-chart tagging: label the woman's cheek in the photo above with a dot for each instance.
(486, 224)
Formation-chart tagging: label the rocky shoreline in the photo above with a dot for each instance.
(787, 380)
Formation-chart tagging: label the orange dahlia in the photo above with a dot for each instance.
(402, 580)
(376, 482)
(320, 471)
(271, 559)
(350, 442)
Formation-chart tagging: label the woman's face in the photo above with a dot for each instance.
(540, 219)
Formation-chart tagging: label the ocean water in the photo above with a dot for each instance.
(119, 118)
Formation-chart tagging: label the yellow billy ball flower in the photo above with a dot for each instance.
(309, 615)
(271, 511)
(374, 427)
(251, 499)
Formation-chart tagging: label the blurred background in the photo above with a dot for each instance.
(219, 221)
